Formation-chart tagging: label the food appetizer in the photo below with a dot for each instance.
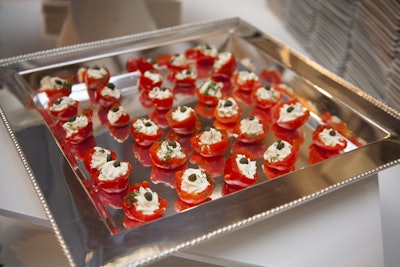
(193, 186)
(150, 79)
(64, 108)
(246, 80)
(281, 155)
(228, 111)
(225, 66)
(291, 114)
(240, 170)
(145, 131)
(328, 138)
(183, 120)
(117, 116)
(211, 142)
(96, 157)
(267, 96)
(143, 204)
(204, 56)
(251, 130)
(168, 154)
(78, 128)
(162, 97)
(107, 95)
(93, 77)
(113, 176)
(185, 78)
(55, 87)
(209, 92)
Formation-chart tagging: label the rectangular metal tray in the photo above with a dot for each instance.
(92, 233)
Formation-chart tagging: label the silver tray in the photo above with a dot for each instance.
(92, 233)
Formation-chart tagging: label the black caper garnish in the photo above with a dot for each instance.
(72, 119)
(115, 109)
(290, 109)
(148, 196)
(148, 124)
(96, 68)
(244, 161)
(111, 86)
(332, 132)
(172, 144)
(228, 103)
(208, 128)
(109, 158)
(58, 102)
(183, 108)
(267, 87)
(192, 177)
(280, 145)
(117, 163)
(251, 118)
(59, 82)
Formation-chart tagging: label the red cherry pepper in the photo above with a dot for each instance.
(168, 160)
(232, 173)
(286, 109)
(186, 126)
(193, 178)
(131, 204)
(113, 184)
(213, 149)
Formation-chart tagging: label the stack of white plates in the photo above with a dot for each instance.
(358, 40)
(374, 47)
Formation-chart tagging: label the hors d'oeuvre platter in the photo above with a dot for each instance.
(132, 139)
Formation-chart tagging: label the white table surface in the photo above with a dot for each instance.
(355, 226)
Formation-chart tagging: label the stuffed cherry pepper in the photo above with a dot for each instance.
(117, 116)
(162, 97)
(167, 154)
(113, 176)
(291, 114)
(251, 130)
(204, 56)
(246, 80)
(281, 155)
(150, 79)
(211, 142)
(193, 186)
(64, 108)
(145, 131)
(141, 64)
(79, 128)
(177, 62)
(143, 204)
(185, 78)
(228, 110)
(183, 120)
(96, 157)
(240, 170)
(210, 92)
(107, 95)
(267, 96)
(225, 66)
(328, 138)
(55, 87)
(96, 77)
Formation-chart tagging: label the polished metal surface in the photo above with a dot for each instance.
(93, 234)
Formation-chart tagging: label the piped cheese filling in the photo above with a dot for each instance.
(62, 103)
(291, 112)
(247, 167)
(278, 151)
(145, 126)
(194, 185)
(110, 170)
(145, 205)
